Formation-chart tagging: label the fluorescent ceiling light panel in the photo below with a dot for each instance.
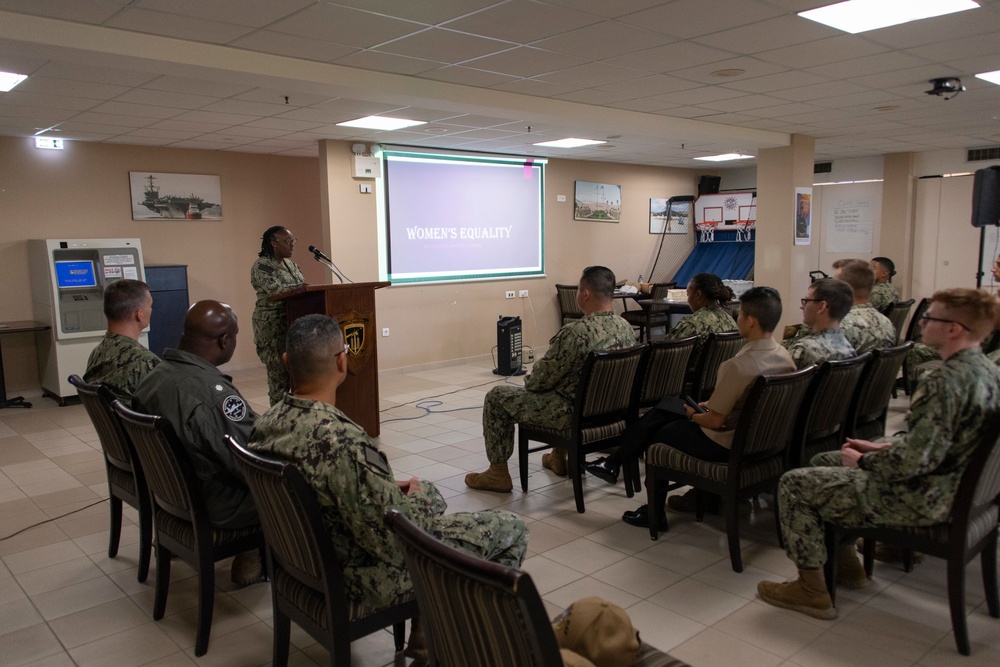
(8, 80)
(856, 16)
(382, 123)
(992, 77)
(725, 157)
(570, 143)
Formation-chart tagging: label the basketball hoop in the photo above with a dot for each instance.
(744, 229)
(707, 231)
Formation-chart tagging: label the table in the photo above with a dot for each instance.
(19, 326)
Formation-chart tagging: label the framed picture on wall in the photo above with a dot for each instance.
(670, 216)
(597, 201)
(159, 196)
(803, 216)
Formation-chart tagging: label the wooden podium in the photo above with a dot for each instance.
(353, 306)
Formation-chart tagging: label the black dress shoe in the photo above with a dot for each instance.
(640, 518)
(603, 469)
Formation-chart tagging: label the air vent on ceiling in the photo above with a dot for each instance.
(980, 154)
(822, 167)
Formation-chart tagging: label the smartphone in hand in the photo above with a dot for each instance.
(694, 405)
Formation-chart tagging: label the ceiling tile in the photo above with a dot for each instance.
(691, 18)
(90, 11)
(212, 117)
(256, 13)
(112, 119)
(742, 103)
(141, 110)
(592, 74)
(418, 113)
(190, 86)
(820, 91)
(776, 82)
(283, 124)
(938, 29)
(424, 11)
(28, 99)
(84, 89)
(165, 98)
(822, 51)
(173, 25)
(779, 110)
(767, 35)
(277, 96)
(246, 107)
(173, 135)
(43, 116)
(657, 84)
(256, 132)
(525, 61)
(593, 97)
(359, 107)
(669, 57)
(969, 46)
(699, 95)
(753, 68)
(201, 145)
(522, 21)
(326, 116)
(472, 120)
(83, 72)
(344, 25)
(446, 46)
(877, 64)
(604, 40)
(294, 46)
(187, 125)
(643, 104)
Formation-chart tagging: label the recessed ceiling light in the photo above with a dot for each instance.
(8, 80)
(570, 143)
(992, 77)
(733, 71)
(725, 157)
(382, 123)
(856, 16)
(436, 130)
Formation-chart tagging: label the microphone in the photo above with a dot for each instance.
(318, 254)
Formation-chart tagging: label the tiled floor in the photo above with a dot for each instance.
(64, 602)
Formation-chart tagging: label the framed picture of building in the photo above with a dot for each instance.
(159, 196)
(597, 201)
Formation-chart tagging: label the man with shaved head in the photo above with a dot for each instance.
(203, 406)
(354, 483)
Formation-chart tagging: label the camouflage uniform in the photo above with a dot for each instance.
(270, 276)
(203, 406)
(713, 319)
(119, 362)
(912, 483)
(354, 485)
(815, 348)
(883, 294)
(548, 393)
(867, 329)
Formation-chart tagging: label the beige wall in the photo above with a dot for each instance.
(83, 192)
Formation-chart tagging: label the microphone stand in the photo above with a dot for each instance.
(330, 265)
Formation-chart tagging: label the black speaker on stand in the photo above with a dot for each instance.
(509, 346)
(986, 197)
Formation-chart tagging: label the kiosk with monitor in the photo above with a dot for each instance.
(68, 277)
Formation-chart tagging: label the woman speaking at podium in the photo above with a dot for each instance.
(274, 272)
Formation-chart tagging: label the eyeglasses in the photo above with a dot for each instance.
(347, 349)
(805, 301)
(927, 318)
(289, 241)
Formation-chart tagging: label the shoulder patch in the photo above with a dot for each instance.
(234, 407)
(377, 459)
(265, 268)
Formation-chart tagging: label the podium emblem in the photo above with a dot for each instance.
(356, 328)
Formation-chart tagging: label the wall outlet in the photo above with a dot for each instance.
(523, 294)
(509, 294)
(560, 198)
(385, 331)
(529, 356)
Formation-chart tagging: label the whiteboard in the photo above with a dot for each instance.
(849, 214)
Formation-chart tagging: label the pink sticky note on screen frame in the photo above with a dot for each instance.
(527, 167)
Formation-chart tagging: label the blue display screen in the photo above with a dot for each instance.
(75, 274)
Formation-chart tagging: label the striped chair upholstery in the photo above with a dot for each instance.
(599, 411)
(307, 582)
(866, 420)
(661, 373)
(970, 531)
(180, 520)
(480, 613)
(126, 481)
(756, 461)
(568, 307)
(717, 348)
(822, 419)
(897, 313)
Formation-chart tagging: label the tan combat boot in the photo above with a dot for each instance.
(555, 461)
(495, 478)
(806, 595)
(850, 572)
(246, 568)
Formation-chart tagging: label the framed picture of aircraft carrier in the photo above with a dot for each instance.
(158, 196)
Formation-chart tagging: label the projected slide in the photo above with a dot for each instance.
(462, 218)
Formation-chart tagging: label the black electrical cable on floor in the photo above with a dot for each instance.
(55, 518)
